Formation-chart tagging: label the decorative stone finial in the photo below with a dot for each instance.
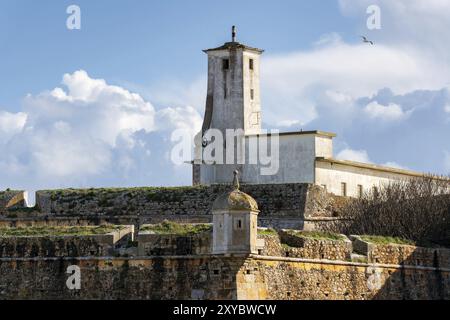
(236, 180)
(233, 34)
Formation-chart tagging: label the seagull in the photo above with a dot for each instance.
(365, 40)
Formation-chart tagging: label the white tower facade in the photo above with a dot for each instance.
(233, 96)
(233, 102)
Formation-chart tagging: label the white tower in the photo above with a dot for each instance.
(232, 101)
(233, 97)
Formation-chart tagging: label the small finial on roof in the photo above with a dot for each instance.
(236, 179)
(233, 34)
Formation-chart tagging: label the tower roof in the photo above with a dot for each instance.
(233, 45)
(235, 200)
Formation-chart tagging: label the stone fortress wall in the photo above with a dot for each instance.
(64, 245)
(291, 265)
(281, 205)
(136, 264)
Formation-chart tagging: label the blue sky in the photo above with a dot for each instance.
(96, 106)
(144, 41)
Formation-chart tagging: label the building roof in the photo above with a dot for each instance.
(376, 167)
(234, 45)
(314, 132)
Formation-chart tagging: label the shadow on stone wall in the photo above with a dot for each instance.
(414, 281)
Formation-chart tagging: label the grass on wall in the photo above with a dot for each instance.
(58, 231)
(170, 227)
(318, 235)
(268, 232)
(387, 240)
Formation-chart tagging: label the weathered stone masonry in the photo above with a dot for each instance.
(219, 277)
(283, 206)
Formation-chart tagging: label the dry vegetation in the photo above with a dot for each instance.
(417, 210)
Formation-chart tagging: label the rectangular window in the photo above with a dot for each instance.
(344, 189)
(251, 64)
(252, 94)
(360, 191)
(225, 64)
(238, 225)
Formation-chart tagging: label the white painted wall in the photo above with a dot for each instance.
(332, 176)
(296, 162)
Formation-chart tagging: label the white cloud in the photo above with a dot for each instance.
(293, 83)
(390, 112)
(354, 155)
(175, 93)
(332, 38)
(363, 157)
(186, 118)
(288, 123)
(408, 24)
(90, 133)
(447, 108)
(11, 124)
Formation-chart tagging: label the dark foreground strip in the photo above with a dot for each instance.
(215, 309)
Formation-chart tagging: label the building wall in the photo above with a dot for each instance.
(252, 107)
(296, 157)
(333, 175)
(296, 162)
(324, 146)
(227, 111)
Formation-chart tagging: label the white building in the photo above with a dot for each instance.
(233, 102)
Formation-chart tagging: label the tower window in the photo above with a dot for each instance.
(344, 189)
(226, 64)
(251, 64)
(252, 94)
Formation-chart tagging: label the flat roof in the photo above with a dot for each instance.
(298, 133)
(376, 167)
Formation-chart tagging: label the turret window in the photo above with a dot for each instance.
(226, 64)
(251, 64)
(252, 94)
(238, 225)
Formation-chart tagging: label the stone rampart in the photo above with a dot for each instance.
(63, 245)
(401, 254)
(219, 277)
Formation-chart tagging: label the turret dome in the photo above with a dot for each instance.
(235, 199)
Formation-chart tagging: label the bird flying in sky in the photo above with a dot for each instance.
(365, 40)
